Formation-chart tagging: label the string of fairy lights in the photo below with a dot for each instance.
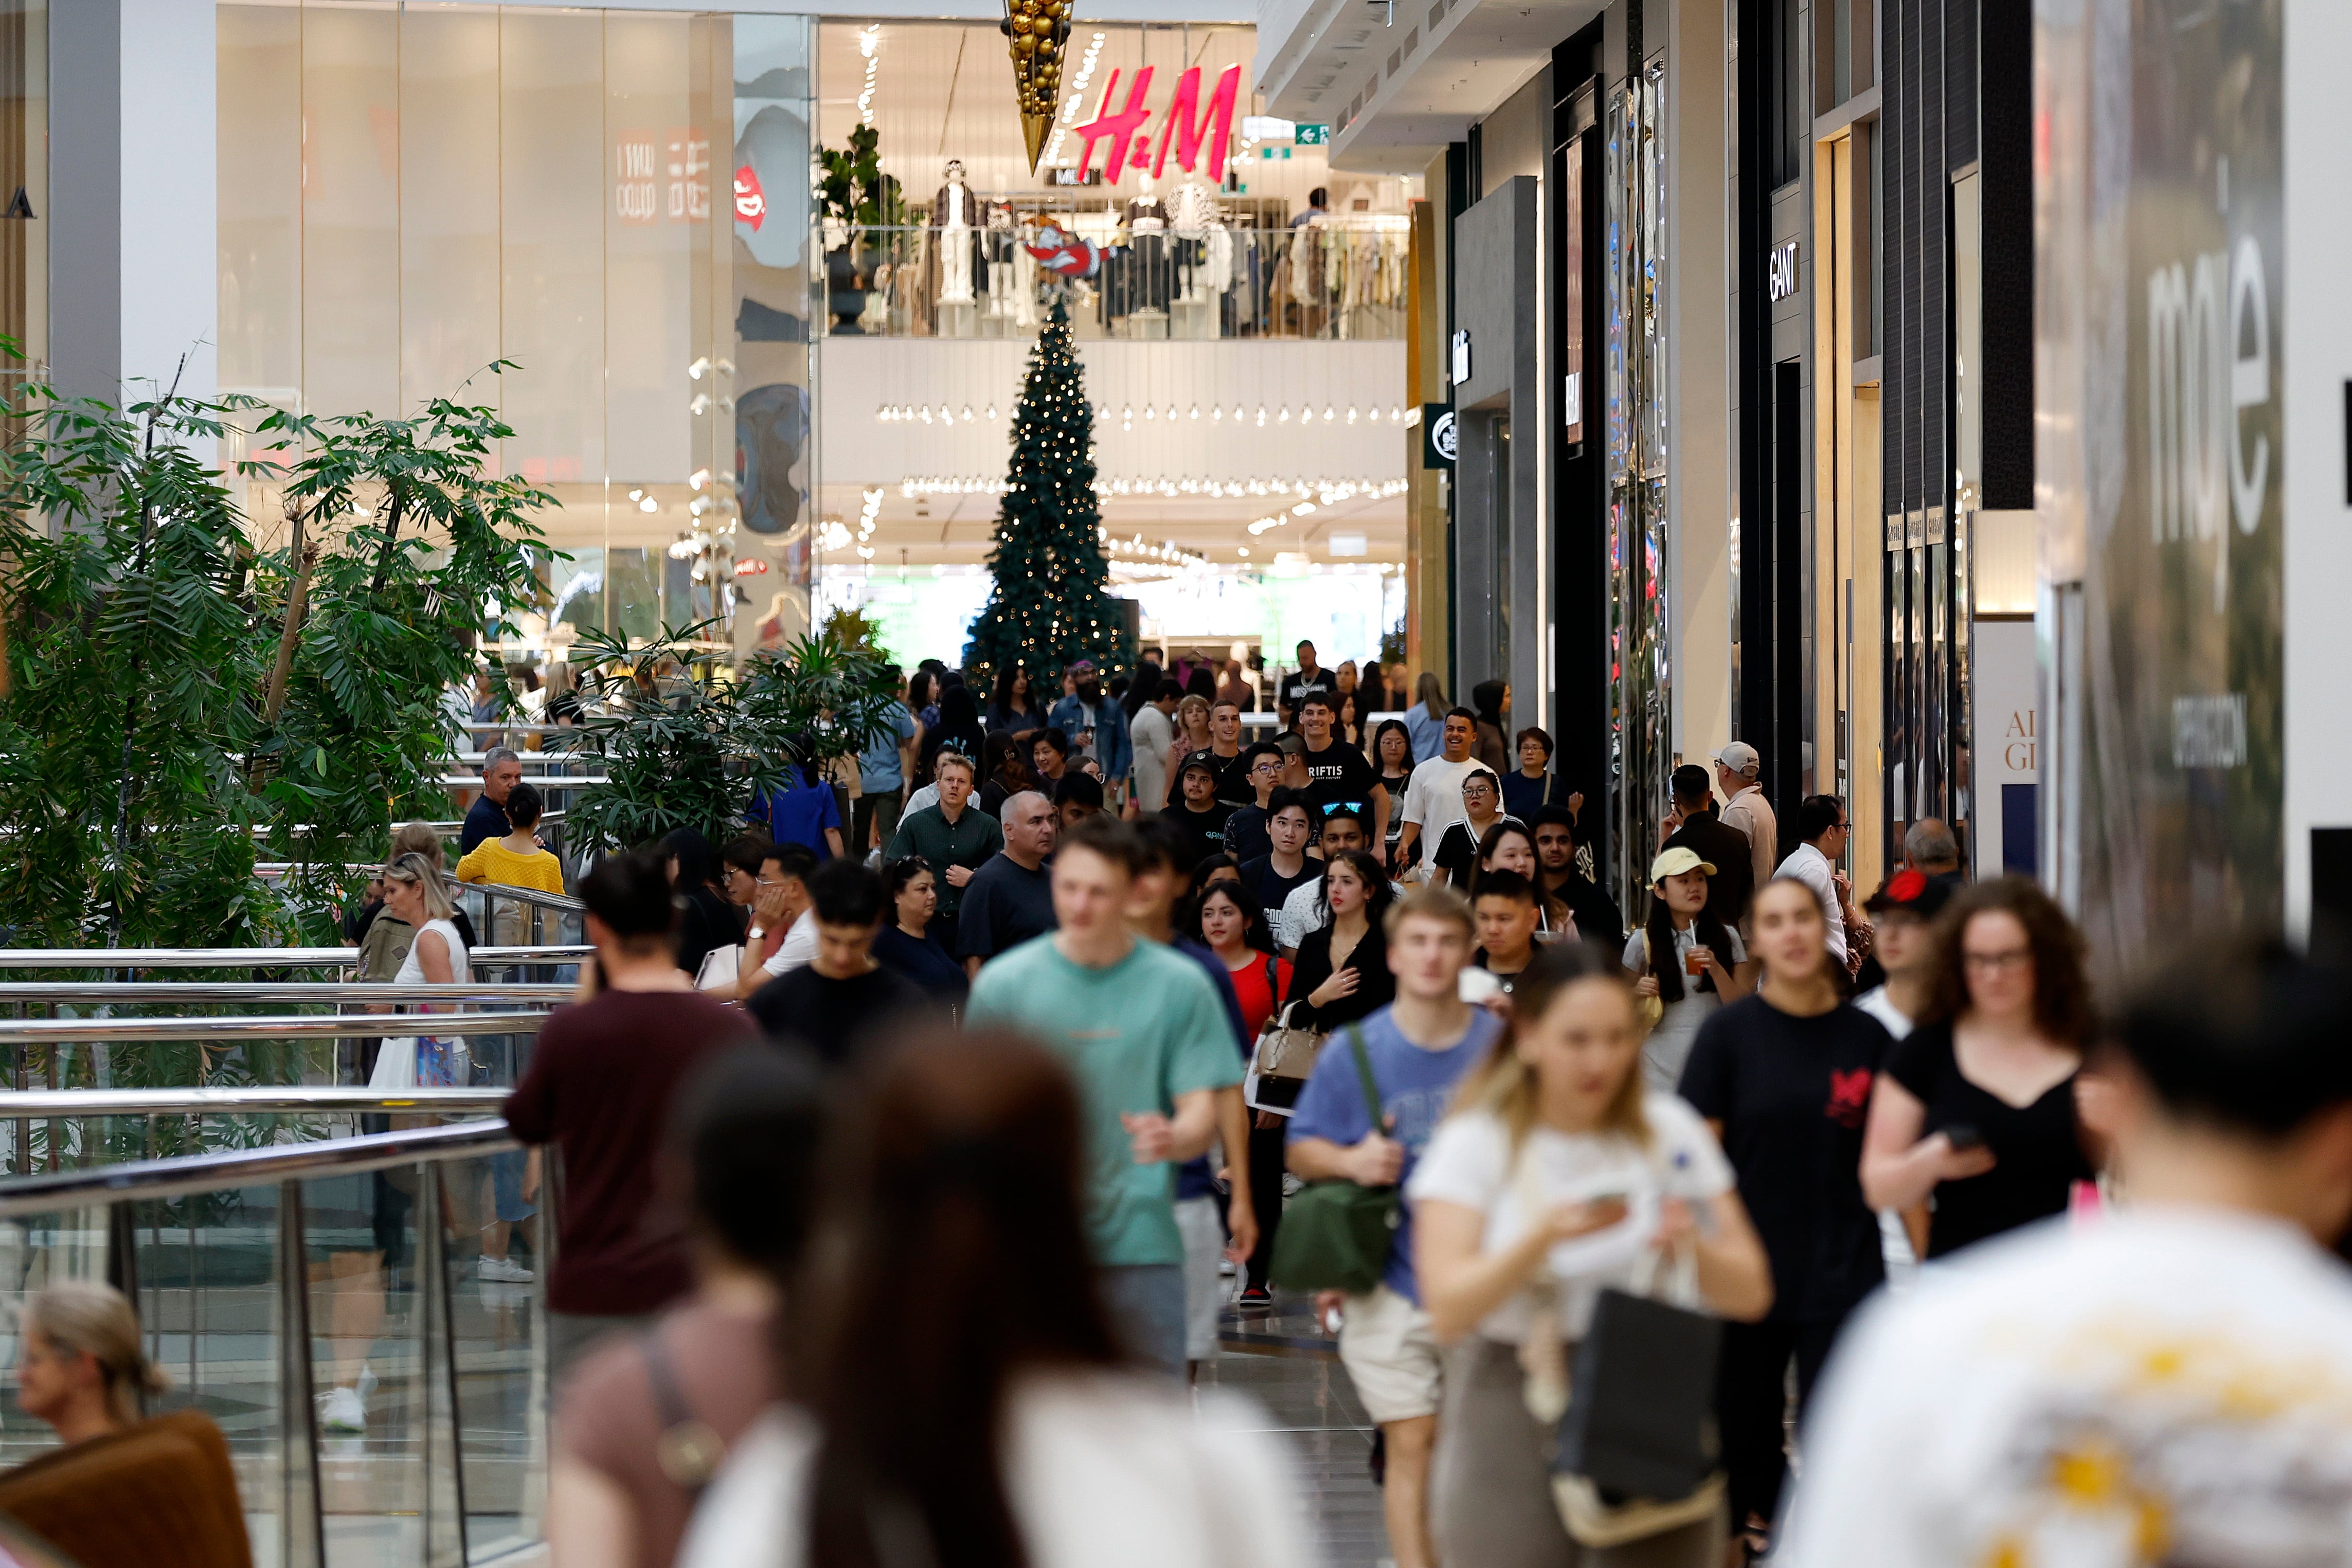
(1280, 414)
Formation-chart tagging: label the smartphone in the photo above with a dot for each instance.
(1963, 1136)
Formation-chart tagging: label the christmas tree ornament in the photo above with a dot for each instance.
(1037, 35)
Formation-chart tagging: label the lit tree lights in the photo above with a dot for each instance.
(1050, 604)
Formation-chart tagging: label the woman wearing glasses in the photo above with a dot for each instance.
(906, 943)
(1976, 1109)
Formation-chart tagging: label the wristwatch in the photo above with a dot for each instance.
(755, 934)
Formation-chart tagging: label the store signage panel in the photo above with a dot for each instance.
(1311, 136)
(2183, 819)
(1461, 357)
(1439, 435)
(1780, 272)
(1186, 129)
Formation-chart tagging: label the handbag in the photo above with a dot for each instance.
(1635, 1451)
(719, 969)
(1282, 1059)
(1649, 1009)
(1335, 1235)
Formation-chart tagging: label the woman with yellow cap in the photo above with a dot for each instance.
(1686, 963)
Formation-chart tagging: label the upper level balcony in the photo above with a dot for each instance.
(1332, 278)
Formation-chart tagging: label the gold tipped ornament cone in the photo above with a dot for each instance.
(1033, 131)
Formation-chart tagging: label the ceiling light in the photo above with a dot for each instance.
(649, 505)
(1286, 417)
(1328, 415)
(991, 411)
(1375, 413)
(1218, 413)
(1171, 413)
(1245, 552)
(1351, 413)
(1150, 412)
(1196, 410)
(967, 413)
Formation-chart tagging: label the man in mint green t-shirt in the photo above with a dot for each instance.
(1146, 1038)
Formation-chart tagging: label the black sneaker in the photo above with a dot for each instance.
(1255, 1298)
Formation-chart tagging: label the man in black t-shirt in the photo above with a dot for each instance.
(1291, 820)
(1245, 837)
(1197, 811)
(1339, 774)
(1011, 898)
(1295, 685)
(834, 1002)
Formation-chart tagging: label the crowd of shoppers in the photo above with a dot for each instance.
(836, 1280)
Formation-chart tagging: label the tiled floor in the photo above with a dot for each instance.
(1293, 1371)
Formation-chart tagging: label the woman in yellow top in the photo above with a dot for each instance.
(516, 860)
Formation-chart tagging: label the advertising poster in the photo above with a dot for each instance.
(2176, 186)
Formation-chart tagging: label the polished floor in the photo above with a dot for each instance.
(1285, 1363)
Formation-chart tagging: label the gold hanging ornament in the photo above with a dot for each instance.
(1037, 33)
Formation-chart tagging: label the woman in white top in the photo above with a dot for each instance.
(414, 891)
(946, 1420)
(1556, 1175)
(1686, 959)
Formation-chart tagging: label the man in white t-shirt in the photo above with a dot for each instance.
(1736, 769)
(2168, 1383)
(1822, 824)
(781, 900)
(1433, 796)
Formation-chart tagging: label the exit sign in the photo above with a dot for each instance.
(1311, 136)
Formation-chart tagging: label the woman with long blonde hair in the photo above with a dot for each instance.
(1559, 1175)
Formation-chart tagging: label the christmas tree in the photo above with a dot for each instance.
(1051, 604)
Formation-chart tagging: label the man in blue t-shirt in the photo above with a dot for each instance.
(882, 776)
(805, 814)
(1419, 1046)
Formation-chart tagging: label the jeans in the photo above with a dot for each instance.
(1146, 1302)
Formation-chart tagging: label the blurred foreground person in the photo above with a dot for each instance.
(1561, 1173)
(82, 1368)
(2165, 1385)
(647, 1421)
(947, 1419)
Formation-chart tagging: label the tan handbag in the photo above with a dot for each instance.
(1285, 1050)
(1649, 1009)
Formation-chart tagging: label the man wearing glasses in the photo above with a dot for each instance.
(1821, 825)
(1246, 834)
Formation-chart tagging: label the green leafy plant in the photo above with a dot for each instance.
(853, 190)
(687, 742)
(854, 630)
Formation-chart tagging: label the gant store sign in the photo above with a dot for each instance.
(1186, 130)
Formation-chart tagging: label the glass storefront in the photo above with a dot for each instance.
(616, 205)
(24, 181)
(1162, 203)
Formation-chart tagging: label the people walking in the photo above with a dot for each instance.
(2160, 1387)
(1696, 826)
(1291, 820)
(838, 1002)
(1557, 1138)
(1416, 1049)
(1341, 971)
(954, 839)
(1736, 769)
(1432, 799)
(906, 945)
(743, 1145)
(599, 1087)
(883, 762)
(1975, 1112)
(962, 1392)
(1685, 960)
(1086, 717)
(486, 817)
(1011, 899)
(1784, 1078)
(1823, 831)
(1598, 918)
(1532, 784)
(1457, 847)
(1245, 837)
(1143, 1029)
(1234, 929)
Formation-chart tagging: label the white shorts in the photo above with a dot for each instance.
(1390, 1356)
(1204, 1242)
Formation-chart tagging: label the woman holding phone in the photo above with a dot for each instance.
(1556, 1171)
(1684, 957)
(1977, 1106)
(1784, 1077)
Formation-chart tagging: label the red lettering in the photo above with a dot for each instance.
(1185, 124)
(1120, 126)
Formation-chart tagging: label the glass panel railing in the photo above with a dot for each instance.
(1338, 279)
(383, 1397)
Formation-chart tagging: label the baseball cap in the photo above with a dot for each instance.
(1913, 893)
(1199, 762)
(1677, 860)
(1740, 757)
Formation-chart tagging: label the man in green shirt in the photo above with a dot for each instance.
(1146, 1038)
(954, 839)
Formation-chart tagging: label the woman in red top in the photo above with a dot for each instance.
(1235, 930)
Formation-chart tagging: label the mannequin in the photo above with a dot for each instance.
(1000, 243)
(1194, 216)
(954, 216)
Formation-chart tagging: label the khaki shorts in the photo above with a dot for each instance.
(1390, 1356)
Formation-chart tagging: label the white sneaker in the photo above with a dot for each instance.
(342, 1410)
(505, 1271)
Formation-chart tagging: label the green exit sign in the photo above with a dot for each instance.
(1311, 136)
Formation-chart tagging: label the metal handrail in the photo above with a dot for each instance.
(296, 1100)
(256, 958)
(447, 829)
(182, 1175)
(474, 782)
(561, 902)
(306, 1026)
(324, 992)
